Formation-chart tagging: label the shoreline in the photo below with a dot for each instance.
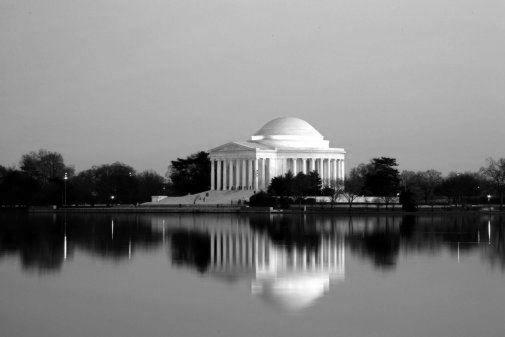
(185, 209)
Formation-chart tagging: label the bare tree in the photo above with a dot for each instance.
(45, 165)
(495, 173)
(354, 184)
(428, 182)
(338, 189)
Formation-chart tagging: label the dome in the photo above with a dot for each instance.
(291, 133)
(288, 126)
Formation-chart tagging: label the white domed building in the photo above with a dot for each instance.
(281, 145)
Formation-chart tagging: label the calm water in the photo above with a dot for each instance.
(229, 275)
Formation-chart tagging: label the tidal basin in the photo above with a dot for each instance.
(251, 275)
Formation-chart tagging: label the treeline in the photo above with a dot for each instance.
(380, 178)
(43, 178)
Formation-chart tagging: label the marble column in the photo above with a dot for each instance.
(329, 176)
(294, 166)
(325, 172)
(212, 175)
(323, 178)
(262, 181)
(330, 171)
(230, 174)
(255, 174)
(219, 162)
(335, 170)
(312, 164)
(267, 172)
(243, 182)
(304, 165)
(225, 175)
(250, 174)
(237, 174)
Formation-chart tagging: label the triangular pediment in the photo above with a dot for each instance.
(233, 146)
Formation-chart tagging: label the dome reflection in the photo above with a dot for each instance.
(288, 276)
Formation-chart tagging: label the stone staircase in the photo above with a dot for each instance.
(229, 197)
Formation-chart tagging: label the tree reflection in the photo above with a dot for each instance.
(43, 241)
(191, 248)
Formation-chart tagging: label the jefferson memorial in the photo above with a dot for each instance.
(281, 145)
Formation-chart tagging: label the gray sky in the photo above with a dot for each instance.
(143, 82)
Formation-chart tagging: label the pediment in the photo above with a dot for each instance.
(233, 146)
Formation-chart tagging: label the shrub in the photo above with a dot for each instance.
(285, 202)
(408, 201)
(262, 199)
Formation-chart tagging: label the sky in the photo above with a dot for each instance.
(145, 82)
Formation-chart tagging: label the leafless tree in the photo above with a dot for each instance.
(495, 173)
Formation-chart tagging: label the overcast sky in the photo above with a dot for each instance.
(143, 82)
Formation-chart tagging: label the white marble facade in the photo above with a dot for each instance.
(283, 144)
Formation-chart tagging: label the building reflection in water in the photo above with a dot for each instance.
(289, 261)
(289, 276)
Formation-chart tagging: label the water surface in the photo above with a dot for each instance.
(239, 275)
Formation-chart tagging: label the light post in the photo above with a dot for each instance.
(488, 200)
(112, 200)
(65, 178)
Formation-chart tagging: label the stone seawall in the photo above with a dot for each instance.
(155, 209)
(245, 209)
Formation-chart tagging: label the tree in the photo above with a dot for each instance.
(460, 186)
(301, 185)
(495, 173)
(282, 185)
(17, 187)
(149, 183)
(262, 199)
(107, 183)
(191, 174)
(382, 178)
(47, 169)
(334, 190)
(408, 201)
(421, 185)
(83, 188)
(409, 180)
(45, 166)
(429, 182)
(306, 184)
(354, 183)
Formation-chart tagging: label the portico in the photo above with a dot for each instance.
(282, 145)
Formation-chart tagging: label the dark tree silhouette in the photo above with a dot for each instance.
(282, 185)
(262, 199)
(149, 183)
(17, 187)
(461, 186)
(45, 166)
(495, 173)
(191, 174)
(301, 185)
(382, 178)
